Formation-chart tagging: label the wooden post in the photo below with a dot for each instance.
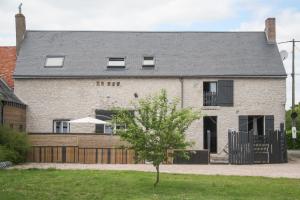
(229, 147)
(208, 141)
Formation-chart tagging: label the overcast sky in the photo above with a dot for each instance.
(159, 15)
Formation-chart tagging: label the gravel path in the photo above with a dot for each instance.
(288, 170)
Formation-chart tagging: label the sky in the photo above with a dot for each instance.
(160, 15)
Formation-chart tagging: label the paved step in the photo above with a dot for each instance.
(218, 159)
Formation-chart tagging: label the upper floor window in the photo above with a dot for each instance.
(54, 61)
(116, 63)
(210, 93)
(148, 62)
(61, 126)
(218, 93)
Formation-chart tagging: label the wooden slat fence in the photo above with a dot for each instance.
(246, 148)
(74, 154)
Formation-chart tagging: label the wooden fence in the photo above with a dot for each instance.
(246, 148)
(74, 154)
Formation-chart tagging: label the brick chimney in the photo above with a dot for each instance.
(20, 28)
(270, 30)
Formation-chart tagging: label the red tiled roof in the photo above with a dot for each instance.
(7, 64)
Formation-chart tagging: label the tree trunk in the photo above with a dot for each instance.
(157, 175)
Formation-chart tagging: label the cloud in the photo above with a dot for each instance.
(110, 15)
(287, 24)
(148, 15)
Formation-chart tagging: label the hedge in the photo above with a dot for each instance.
(13, 145)
(290, 142)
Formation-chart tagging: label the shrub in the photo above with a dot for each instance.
(290, 142)
(13, 145)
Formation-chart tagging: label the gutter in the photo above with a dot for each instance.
(141, 76)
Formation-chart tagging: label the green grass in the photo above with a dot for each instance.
(57, 184)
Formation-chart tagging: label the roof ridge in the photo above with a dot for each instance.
(127, 31)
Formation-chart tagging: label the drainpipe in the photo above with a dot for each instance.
(181, 84)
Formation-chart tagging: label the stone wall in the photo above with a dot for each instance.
(51, 99)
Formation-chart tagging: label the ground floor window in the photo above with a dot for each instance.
(106, 115)
(61, 126)
(258, 124)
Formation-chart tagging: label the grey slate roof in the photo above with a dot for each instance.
(176, 54)
(6, 94)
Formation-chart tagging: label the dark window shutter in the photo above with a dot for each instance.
(225, 93)
(269, 123)
(243, 123)
(99, 128)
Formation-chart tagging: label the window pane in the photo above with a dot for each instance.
(108, 129)
(65, 127)
(148, 61)
(116, 62)
(213, 87)
(54, 62)
(61, 126)
(57, 127)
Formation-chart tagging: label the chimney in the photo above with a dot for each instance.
(270, 30)
(20, 28)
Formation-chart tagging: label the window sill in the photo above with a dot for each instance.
(211, 107)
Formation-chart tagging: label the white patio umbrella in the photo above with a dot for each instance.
(87, 120)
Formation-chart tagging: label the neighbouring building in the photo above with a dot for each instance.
(8, 59)
(236, 79)
(12, 109)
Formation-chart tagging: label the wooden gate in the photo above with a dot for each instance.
(74, 154)
(246, 148)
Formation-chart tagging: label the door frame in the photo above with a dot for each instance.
(216, 132)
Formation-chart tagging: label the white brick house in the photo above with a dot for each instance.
(236, 79)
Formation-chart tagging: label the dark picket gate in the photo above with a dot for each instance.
(246, 148)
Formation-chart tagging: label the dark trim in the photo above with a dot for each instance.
(96, 155)
(144, 76)
(14, 104)
(74, 154)
(108, 156)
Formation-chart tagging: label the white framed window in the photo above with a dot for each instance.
(54, 61)
(61, 126)
(148, 61)
(116, 63)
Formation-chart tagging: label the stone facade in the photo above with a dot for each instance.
(50, 99)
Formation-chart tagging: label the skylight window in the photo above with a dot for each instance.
(148, 62)
(54, 61)
(116, 63)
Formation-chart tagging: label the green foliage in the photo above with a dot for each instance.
(288, 119)
(13, 145)
(156, 128)
(291, 144)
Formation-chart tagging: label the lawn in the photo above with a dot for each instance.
(86, 184)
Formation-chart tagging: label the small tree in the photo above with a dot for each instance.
(156, 128)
